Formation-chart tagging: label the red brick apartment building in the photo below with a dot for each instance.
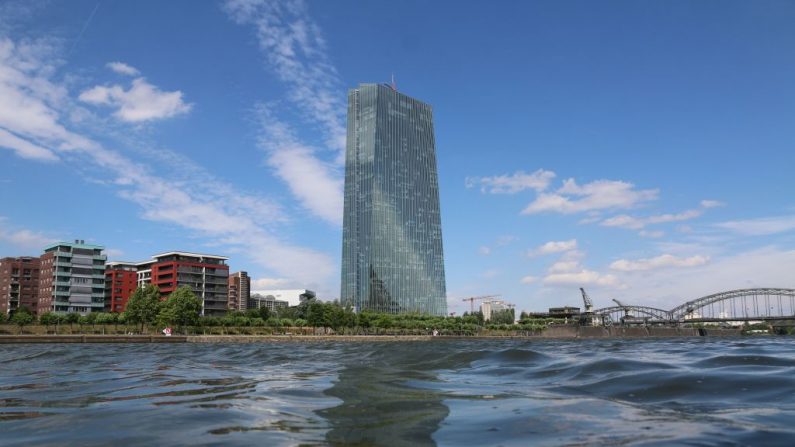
(121, 280)
(19, 284)
(206, 275)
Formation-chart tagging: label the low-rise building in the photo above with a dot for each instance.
(258, 301)
(293, 297)
(19, 284)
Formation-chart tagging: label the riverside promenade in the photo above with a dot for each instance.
(553, 332)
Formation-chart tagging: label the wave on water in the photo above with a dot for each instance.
(442, 392)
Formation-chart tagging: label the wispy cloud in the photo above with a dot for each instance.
(141, 102)
(122, 68)
(594, 196)
(581, 278)
(316, 183)
(638, 223)
(658, 262)
(761, 226)
(24, 238)
(33, 108)
(553, 247)
(511, 184)
(295, 50)
(529, 279)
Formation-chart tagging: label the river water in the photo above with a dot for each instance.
(697, 391)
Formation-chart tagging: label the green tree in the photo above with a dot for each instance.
(143, 306)
(181, 309)
(22, 317)
(2, 318)
(47, 319)
(71, 318)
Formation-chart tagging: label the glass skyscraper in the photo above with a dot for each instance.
(392, 257)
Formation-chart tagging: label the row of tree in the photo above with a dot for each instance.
(182, 309)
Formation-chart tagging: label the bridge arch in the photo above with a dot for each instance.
(653, 312)
(739, 304)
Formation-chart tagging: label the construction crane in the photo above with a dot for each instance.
(627, 318)
(622, 306)
(472, 300)
(587, 301)
(588, 318)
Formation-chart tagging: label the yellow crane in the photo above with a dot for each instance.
(472, 300)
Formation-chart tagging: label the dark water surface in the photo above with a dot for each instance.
(695, 391)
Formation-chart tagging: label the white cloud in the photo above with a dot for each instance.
(652, 233)
(484, 250)
(24, 238)
(637, 223)
(564, 266)
(317, 184)
(122, 68)
(597, 195)
(268, 283)
(666, 288)
(141, 102)
(760, 227)
(711, 203)
(528, 279)
(662, 261)
(296, 52)
(553, 247)
(187, 197)
(25, 148)
(511, 184)
(114, 253)
(581, 278)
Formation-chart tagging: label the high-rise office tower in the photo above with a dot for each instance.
(392, 257)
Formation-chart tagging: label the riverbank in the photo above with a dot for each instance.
(553, 332)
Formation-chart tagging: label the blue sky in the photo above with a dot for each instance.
(643, 150)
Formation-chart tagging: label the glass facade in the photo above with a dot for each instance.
(392, 258)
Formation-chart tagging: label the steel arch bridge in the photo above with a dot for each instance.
(732, 305)
(740, 304)
(638, 313)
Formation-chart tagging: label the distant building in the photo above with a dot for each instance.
(19, 284)
(392, 257)
(72, 278)
(206, 275)
(258, 301)
(121, 280)
(239, 291)
(564, 312)
(293, 297)
(487, 308)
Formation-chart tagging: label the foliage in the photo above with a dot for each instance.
(2, 318)
(505, 316)
(143, 306)
(181, 309)
(22, 317)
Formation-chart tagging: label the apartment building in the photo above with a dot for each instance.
(19, 284)
(206, 275)
(121, 280)
(72, 278)
(239, 291)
